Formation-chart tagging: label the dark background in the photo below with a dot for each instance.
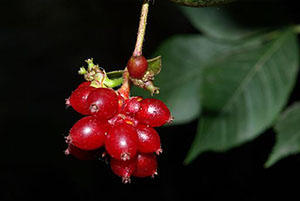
(42, 45)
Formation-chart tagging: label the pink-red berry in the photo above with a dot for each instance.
(123, 169)
(146, 165)
(78, 99)
(82, 154)
(103, 103)
(121, 142)
(84, 84)
(132, 106)
(88, 133)
(153, 112)
(148, 139)
(137, 66)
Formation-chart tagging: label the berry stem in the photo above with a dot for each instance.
(142, 29)
(138, 50)
(124, 91)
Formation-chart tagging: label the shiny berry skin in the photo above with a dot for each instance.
(146, 165)
(132, 106)
(137, 66)
(84, 84)
(123, 169)
(153, 112)
(88, 133)
(82, 154)
(148, 139)
(121, 142)
(103, 103)
(78, 99)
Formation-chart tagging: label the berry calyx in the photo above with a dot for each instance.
(137, 66)
(123, 169)
(88, 133)
(78, 99)
(148, 139)
(153, 112)
(146, 165)
(121, 142)
(103, 103)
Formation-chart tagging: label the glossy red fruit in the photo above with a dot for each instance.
(88, 133)
(148, 139)
(137, 66)
(132, 106)
(121, 142)
(103, 103)
(153, 112)
(78, 99)
(123, 169)
(84, 84)
(146, 165)
(82, 154)
(121, 119)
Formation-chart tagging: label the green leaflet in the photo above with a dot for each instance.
(244, 93)
(287, 135)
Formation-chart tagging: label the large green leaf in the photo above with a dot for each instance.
(243, 93)
(288, 135)
(236, 21)
(183, 58)
(201, 3)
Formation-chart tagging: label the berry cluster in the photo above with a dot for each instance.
(123, 126)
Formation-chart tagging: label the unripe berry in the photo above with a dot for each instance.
(148, 139)
(78, 99)
(146, 165)
(137, 66)
(153, 112)
(88, 133)
(121, 142)
(103, 103)
(123, 169)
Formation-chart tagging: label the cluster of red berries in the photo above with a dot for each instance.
(124, 126)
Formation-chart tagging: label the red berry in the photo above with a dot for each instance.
(88, 133)
(137, 66)
(148, 139)
(82, 154)
(146, 165)
(121, 119)
(153, 112)
(103, 103)
(84, 84)
(123, 169)
(78, 99)
(132, 106)
(121, 142)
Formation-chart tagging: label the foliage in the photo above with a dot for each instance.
(235, 78)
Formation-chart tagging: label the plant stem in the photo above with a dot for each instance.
(142, 29)
(138, 50)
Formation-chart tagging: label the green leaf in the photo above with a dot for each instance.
(154, 65)
(184, 57)
(201, 3)
(115, 74)
(288, 135)
(236, 21)
(243, 94)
